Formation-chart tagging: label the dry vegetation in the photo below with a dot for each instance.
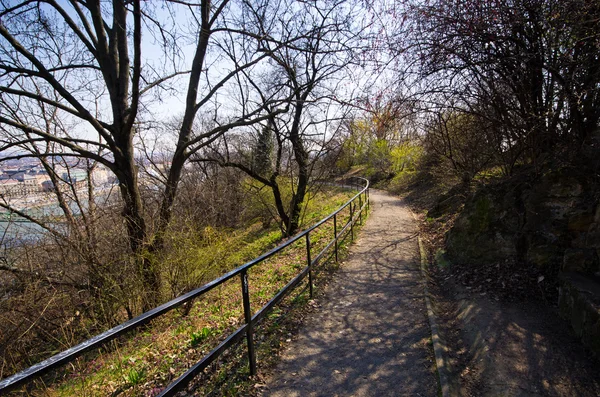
(146, 361)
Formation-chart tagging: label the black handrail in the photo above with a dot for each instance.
(97, 341)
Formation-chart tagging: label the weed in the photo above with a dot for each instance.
(273, 314)
(135, 377)
(181, 328)
(200, 336)
(440, 258)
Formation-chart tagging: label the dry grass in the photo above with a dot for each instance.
(149, 359)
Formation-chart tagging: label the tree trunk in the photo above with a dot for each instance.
(302, 161)
(137, 228)
(185, 131)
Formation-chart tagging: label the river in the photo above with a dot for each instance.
(15, 230)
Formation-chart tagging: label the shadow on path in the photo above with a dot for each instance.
(523, 350)
(371, 336)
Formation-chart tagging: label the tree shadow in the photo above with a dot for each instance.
(371, 336)
(525, 349)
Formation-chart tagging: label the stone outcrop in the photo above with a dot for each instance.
(552, 222)
(579, 303)
(549, 222)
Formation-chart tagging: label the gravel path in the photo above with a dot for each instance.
(370, 337)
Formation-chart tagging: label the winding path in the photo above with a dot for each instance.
(371, 336)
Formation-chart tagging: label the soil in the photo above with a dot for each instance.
(499, 321)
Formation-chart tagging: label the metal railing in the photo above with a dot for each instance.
(356, 214)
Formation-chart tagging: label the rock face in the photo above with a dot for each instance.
(579, 303)
(550, 221)
(487, 229)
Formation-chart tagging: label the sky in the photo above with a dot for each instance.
(167, 103)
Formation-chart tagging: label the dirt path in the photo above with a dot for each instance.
(371, 336)
(503, 348)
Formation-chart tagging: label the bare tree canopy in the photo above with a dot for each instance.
(85, 79)
(529, 66)
(308, 76)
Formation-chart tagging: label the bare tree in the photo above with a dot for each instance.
(83, 63)
(527, 66)
(237, 40)
(306, 75)
(80, 66)
(462, 140)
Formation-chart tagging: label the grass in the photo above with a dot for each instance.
(198, 337)
(149, 359)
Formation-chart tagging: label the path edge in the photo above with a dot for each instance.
(438, 347)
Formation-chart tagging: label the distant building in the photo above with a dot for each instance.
(8, 172)
(13, 188)
(47, 186)
(100, 176)
(74, 176)
(18, 182)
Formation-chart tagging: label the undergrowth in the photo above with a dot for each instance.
(145, 361)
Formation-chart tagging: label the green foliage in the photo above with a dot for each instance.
(197, 257)
(261, 206)
(379, 157)
(405, 157)
(381, 144)
(440, 258)
(401, 181)
(262, 152)
(200, 336)
(135, 376)
(355, 145)
(480, 220)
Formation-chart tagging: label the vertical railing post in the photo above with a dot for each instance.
(360, 208)
(308, 260)
(352, 221)
(336, 237)
(248, 318)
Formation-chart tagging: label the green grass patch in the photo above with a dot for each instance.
(440, 258)
(200, 336)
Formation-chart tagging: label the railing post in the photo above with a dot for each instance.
(360, 208)
(308, 260)
(351, 221)
(248, 318)
(336, 237)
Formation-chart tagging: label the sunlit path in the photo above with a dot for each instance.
(370, 337)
